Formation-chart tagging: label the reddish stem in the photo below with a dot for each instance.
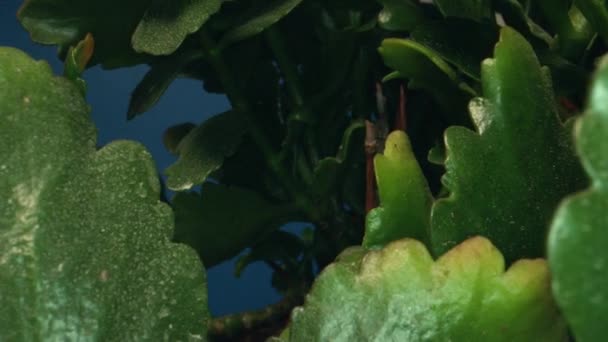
(401, 119)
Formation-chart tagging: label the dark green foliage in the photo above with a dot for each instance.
(491, 107)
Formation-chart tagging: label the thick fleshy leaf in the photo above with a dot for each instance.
(156, 81)
(175, 134)
(463, 43)
(84, 240)
(426, 70)
(221, 221)
(400, 294)
(405, 198)
(76, 61)
(578, 238)
(507, 178)
(64, 23)
(399, 15)
(330, 172)
(166, 24)
(260, 19)
(596, 11)
(468, 9)
(203, 150)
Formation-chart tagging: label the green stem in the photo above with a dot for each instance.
(302, 113)
(241, 105)
(288, 69)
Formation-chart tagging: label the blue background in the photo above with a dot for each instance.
(185, 101)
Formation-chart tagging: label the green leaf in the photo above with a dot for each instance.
(426, 70)
(65, 23)
(260, 19)
(578, 237)
(468, 9)
(507, 177)
(166, 23)
(330, 171)
(203, 150)
(156, 81)
(277, 246)
(84, 240)
(400, 294)
(76, 61)
(463, 43)
(221, 221)
(405, 198)
(596, 11)
(175, 134)
(399, 15)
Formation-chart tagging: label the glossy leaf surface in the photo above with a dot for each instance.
(84, 240)
(399, 15)
(166, 23)
(405, 198)
(596, 11)
(577, 241)
(221, 221)
(203, 150)
(400, 294)
(507, 178)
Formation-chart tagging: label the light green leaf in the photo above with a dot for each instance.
(400, 294)
(405, 198)
(166, 23)
(221, 221)
(578, 238)
(596, 11)
(399, 15)
(507, 178)
(84, 240)
(203, 150)
(259, 20)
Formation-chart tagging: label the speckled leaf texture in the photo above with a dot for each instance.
(578, 254)
(507, 178)
(166, 24)
(85, 251)
(204, 149)
(400, 294)
(123, 30)
(405, 197)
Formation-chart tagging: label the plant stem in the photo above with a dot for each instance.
(230, 326)
(241, 105)
(288, 69)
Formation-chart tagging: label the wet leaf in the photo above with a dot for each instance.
(84, 240)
